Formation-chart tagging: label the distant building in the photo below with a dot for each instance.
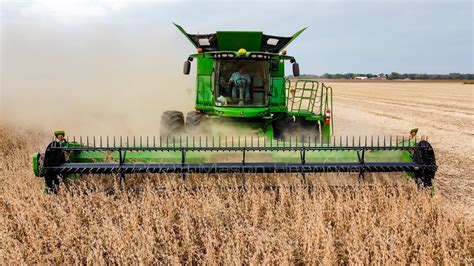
(360, 78)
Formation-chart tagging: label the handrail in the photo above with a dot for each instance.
(304, 90)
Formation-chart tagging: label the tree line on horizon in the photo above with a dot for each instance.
(393, 76)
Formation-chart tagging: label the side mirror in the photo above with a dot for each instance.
(186, 67)
(296, 69)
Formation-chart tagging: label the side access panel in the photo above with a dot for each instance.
(278, 97)
(204, 95)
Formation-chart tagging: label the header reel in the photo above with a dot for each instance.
(120, 156)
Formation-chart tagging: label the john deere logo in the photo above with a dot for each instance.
(241, 113)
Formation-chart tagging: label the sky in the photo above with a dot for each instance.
(116, 65)
(342, 36)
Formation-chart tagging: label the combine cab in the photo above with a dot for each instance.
(241, 87)
(248, 118)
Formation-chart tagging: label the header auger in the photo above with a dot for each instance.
(248, 118)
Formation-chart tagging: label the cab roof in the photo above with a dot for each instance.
(235, 40)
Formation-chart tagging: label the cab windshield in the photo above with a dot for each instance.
(241, 83)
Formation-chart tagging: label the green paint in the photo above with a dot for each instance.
(242, 112)
(276, 86)
(36, 166)
(234, 40)
(326, 132)
(294, 37)
(262, 156)
(260, 138)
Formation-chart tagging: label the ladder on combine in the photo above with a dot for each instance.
(308, 98)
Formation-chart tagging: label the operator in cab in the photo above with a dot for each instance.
(240, 80)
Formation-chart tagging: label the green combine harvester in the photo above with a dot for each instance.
(248, 118)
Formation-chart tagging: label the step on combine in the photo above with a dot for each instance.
(248, 118)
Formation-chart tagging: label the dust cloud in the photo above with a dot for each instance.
(93, 79)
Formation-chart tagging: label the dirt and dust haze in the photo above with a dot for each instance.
(93, 78)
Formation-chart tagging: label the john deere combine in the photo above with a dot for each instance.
(248, 118)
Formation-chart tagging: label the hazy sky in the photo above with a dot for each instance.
(112, 67)
(342, 36)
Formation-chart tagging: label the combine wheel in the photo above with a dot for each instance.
(283, 127)
(196, 123)
(307, 131)
(53, 157)
(172, 123)
(424, 155)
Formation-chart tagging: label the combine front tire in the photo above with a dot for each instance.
(172, 124)
(307, 130)
(283, 127)
(195, 122)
